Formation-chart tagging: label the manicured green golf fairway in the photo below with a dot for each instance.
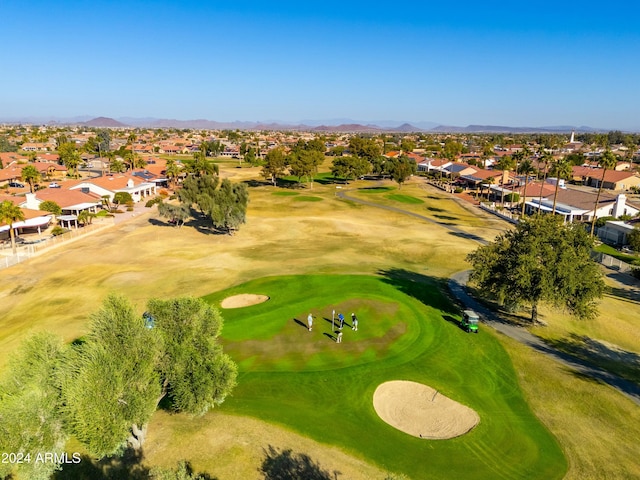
(324, 390)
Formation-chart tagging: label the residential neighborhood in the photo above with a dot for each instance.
(152, 213)
(93, 165)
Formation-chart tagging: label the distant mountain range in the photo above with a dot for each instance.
(335, 125)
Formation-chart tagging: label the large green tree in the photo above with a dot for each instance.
(177, 214)
(70, 157)
(541, 260)
(305, 163)
(275, 164)
(196, 374)
(111, 385)
(103, 389)
(227, 206)
(30, 407)
(350, 167)
(364, 147)
(401, 169)
(224, 203)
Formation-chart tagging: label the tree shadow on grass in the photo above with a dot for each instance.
(330, 181)
(128, 466)
(469, 236)
(160, 223)
(426, 289)
(202, 224)
(620, 362)
(257, 183)
(198, 221)
(446, 217)
(286, 465)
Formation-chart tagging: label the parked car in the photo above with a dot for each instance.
(54, 185)
(16, 185)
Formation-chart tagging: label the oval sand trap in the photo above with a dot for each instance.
(243, 300)
(421, 411)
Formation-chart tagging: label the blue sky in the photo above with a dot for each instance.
(455, 63)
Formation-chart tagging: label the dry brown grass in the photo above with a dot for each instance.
(59, 289)
(596, 426)
(231, 447)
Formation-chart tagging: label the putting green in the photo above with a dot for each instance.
(324, 390)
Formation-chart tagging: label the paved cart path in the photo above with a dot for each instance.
(457, 286)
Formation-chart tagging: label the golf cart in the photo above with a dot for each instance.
(470, 321)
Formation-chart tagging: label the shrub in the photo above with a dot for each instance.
(58, 230)
(602, 220)
(458, 190)
(512, 197)
(152, 202)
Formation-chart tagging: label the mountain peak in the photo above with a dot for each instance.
(104, 122)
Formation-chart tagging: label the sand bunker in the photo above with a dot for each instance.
(244, 300)
(421, 411)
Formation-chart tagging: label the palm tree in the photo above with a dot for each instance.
(518, 157)
(86, 217)
(561, 169)
(32, 175)
(9, 214)
(505, 164)
(488, 182)
(201, 166)
(487, 153)
(526, 168)
(172, 171)
(546, 158)
(608, 161)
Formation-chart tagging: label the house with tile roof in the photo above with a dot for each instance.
(11, 158)
(34, 219)
(456, 169)
(38, 147)
(613, 179)
(433, 165)
(10, 174)
(72, 202)
(579, 205)
(107, 186)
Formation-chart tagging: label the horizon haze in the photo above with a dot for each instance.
(517, 65)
